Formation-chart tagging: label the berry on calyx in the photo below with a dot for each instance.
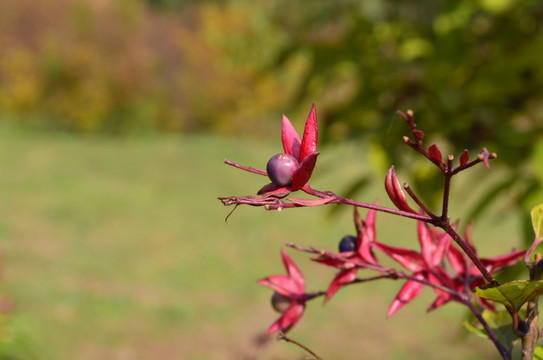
(281, 168)
(280, 302)
(347, 243)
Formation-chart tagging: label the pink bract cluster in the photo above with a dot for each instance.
(444, 261)
(302, 150)
(438, 264)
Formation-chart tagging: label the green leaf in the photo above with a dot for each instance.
(538, 353)
(537, 220)
(513, 294)
(477, 329)
(500, 322)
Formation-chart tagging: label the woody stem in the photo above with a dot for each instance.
(492, 336)
(467, 250)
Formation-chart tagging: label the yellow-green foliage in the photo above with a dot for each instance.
(117, 65)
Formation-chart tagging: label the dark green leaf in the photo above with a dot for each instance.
(513, 294)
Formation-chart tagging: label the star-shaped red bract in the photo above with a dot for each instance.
(350, 261)
(429, 265)
(292, 287)
(302, 149)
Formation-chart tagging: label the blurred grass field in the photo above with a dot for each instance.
(118, 249)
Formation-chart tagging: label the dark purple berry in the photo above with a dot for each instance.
(280, 302)
(280, 169)
(348, 243)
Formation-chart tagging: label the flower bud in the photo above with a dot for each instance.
(435, 153)
(464, 158)
(395, 191)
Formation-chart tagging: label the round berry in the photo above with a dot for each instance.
(347, 243)
(280, 302)
(281, 168)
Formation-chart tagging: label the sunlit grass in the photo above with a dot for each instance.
(118, 248)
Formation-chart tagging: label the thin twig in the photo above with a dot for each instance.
(283, 336)
(274, 203)
(504, 352)
(456, 294)
(446, 188)
(386, 210)
(396, 275)
(476, 161)
(468, 251)
(246, 168)
(419, 202)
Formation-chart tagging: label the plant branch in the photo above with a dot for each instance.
(419, 202)
(504, 352)
(273, 203)
(386, 210)
(283, 336)
(246, 168)
(446, 188)
(467, 250)
(476, 161)
(456, 294)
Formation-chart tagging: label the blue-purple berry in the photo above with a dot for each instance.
(347, 243)
(281, 168)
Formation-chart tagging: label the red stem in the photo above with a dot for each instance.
(506, 355)
(446, 188)
(341, 200)
(246, 168)
(468, 251)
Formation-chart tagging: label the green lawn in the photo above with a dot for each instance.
(118, 249)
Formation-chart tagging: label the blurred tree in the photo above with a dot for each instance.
(114, 67)
(470, 70)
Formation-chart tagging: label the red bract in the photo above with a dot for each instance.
(410, 290)
(350, 261)
(287, 176)
(428, 266)
(292, 287)
(303, 149)
(467, 272)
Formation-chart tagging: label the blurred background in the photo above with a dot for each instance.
(115, 117)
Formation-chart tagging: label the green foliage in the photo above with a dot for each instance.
(513, 294)
(110, 67)
(537, 221)
(538, 353)
(499, 321)
(468, 69)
